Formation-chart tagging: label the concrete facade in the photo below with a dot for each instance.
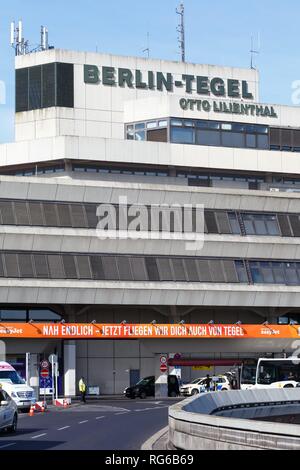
(93, 133)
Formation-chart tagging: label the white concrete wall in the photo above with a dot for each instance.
(99, 109)
(147, 153)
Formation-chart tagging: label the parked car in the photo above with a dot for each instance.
(8, 413)
(219, 383)
(194, 388)
(143, 389)
(15, 387)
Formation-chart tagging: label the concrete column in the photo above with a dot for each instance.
(70, 368)
(34, 380)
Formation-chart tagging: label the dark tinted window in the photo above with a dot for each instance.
(48, 85)
(45, 86)
(65, 85)
(22, 90)
(181, 135)
(35, 87)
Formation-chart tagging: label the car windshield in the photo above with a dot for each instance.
(12, 376)
(145, 381)
(195, 381)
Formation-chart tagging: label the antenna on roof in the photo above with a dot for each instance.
(44, 38)
(21, 46)
(148, 45)
(254, 52)
(181, 30)
(17, 41)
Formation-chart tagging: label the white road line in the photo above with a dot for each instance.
(83, 422)
(62, 429)
(100, 417)
(8, 445)
(122, 413)
(40, 435)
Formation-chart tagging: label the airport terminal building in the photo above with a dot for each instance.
(100, 130)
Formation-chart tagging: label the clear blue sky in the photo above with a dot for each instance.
(218, 32)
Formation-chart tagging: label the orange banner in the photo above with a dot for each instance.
(136, 331)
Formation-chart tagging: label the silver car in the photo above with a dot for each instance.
(8, 413)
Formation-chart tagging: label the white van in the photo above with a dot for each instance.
(15, 387)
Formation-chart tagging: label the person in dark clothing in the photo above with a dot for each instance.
(207, 383)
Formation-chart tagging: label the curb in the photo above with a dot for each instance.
(148, 445)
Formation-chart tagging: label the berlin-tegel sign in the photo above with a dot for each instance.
(136, 331)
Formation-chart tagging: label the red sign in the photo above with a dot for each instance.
(45, 373)
(163, 368)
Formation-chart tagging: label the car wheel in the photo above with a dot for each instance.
(224, 390)
(13, 428)
(288, 386)
(143, 395)
(195, 392)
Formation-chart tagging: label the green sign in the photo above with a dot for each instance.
(190, 84)
(242, 109)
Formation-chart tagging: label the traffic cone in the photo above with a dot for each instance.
(43, 408)
(65, 404)
(31, 412)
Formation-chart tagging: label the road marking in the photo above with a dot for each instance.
(62, 429)
(100, 417)
(40, 435)
(8, 445)
(83, 422)
(122, 413)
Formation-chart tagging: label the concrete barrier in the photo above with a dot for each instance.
(229, 421)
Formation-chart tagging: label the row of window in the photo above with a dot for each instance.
(187, 135)
(38, 171)
(45, 86)
(152, 269)
(72, 215)
(20, 314)
(117, 268)
(118, 171)
(216, 133)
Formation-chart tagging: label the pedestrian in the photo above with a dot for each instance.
(82, 389)
(207, 383)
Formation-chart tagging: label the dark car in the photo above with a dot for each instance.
(143, 389)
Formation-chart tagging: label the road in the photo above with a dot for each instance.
(105, 425)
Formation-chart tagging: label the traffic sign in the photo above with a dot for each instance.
(163, 368)
(45, 365)
(163, 359)
(45, 373)
(53, 358)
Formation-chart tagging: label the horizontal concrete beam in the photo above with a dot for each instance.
(68, 240)
(68, 190)
(146, 293)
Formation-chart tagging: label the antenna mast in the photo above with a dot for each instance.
(254, 51)
(21, 46)
(17, 40)
(181, 30)
(148, 45)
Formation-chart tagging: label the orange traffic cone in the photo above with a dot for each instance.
(31, 412)
(43, 408)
